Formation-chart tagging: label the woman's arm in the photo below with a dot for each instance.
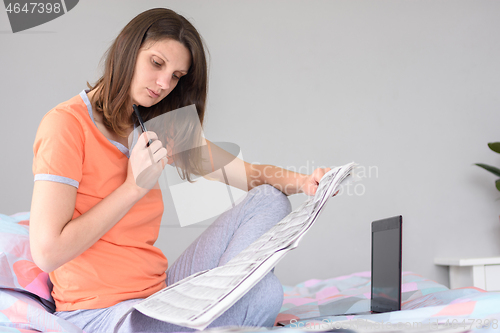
(286, 181)
(56, 238)
(245, 176)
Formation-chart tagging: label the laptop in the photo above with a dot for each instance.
(386, 269)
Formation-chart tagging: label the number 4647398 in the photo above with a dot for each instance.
(34, 7)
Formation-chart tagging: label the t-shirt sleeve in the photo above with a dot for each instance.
(58, 149)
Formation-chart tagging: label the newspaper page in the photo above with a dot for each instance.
(199, 299)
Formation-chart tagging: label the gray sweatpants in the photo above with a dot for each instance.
(231, 233)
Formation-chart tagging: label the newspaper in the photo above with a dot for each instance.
(199, 299)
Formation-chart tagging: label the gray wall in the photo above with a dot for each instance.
(408, 88)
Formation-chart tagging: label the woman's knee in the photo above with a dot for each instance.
(274, 198)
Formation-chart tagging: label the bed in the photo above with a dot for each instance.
(27, 306)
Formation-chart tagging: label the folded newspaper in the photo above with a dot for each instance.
(201, 298)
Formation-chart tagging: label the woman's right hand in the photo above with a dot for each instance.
(146, 162)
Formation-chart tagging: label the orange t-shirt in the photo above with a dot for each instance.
(123, 264)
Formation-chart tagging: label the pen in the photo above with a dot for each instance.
(136, 110)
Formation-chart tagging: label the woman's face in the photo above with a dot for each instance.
(158, 69)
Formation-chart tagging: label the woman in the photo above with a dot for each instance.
(97, 208)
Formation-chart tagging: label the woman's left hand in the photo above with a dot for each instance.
(311, 182)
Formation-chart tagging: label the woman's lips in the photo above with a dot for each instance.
(152, 93)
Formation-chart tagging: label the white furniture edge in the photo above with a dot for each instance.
(470, 271)
(467, 261)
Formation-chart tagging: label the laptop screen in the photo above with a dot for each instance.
(386, 264)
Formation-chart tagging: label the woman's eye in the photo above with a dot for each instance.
(175, 77)
(156, 63)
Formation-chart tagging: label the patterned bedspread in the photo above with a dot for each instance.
(426, 306)
(26, 305)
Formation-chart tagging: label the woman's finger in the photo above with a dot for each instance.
(160, 154)
(145, 137)
(155, 146)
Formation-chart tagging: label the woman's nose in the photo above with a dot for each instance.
(164, 81)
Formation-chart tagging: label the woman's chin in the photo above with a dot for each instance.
(146, 103)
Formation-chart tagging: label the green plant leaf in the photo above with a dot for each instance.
(497, 184)
(495, 146)
(493, 170)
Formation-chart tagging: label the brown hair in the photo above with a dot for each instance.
(112, 89)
